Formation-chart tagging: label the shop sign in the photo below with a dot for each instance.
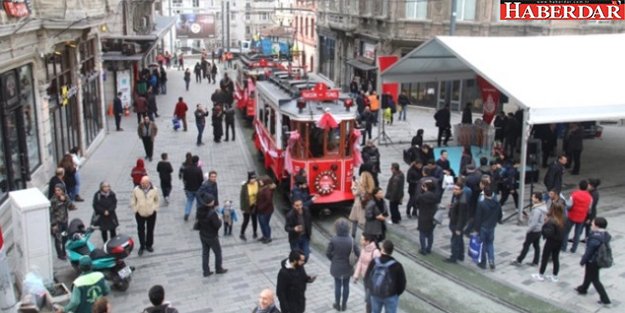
(17, 8)
(368, 51)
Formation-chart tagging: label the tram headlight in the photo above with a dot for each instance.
(348, 103)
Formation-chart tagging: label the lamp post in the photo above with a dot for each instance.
(452, 31)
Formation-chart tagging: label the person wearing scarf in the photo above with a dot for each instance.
(104, 205)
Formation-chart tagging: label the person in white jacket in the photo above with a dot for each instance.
(369, 251)
(145, 202)
(534, 230)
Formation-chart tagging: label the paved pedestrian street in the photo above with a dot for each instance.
(176, 260)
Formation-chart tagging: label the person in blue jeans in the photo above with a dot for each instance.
(338, 251)
(457, 219)
(264, 208)
(193, 178)
(487, 216)
(299, 226)
(386, 280)
(403, 101)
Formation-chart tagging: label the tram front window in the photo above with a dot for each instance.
(333, 141)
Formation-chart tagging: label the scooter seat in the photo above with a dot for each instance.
(98, 254)
(83, 250)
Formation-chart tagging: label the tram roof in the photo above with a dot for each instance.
(272, 93)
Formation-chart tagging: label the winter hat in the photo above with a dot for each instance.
(251, 175)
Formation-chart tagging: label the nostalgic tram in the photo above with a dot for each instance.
(252, 68)
(303, 127)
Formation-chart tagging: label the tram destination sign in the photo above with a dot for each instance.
(320, 93)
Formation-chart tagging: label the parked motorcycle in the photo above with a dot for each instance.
(109, 261)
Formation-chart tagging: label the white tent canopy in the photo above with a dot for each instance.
(553, 78)
(556, 78)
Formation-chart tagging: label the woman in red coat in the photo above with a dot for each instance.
(180, 112)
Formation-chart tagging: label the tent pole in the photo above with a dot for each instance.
(523, 165)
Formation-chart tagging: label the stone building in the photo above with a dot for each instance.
(305, 27)
(352, 33)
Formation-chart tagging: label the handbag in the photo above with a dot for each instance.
(353, 258)
(95, 219)
(475, 248)
(439, 216)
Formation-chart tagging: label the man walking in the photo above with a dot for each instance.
(457, 219)
(118, 110)
(366, 121)
(147, 132)
(229, 114)
(144, 202)
(192, 177)
(534, 230)
(152, 108)
(209, 224)
(209, 187)
(200, 122)
(403, 101)
(395, 192)
(299, 226)
(553, 177)
(443, 122)
(386, 280)
(141, 107)
(599, 236)
(292, 283)
(574, 147)
(487, 216)
(180, 112)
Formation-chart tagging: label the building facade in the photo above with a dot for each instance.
(305, 27)
(50, 90)
(352, 33)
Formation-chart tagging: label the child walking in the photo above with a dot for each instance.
(229, 216)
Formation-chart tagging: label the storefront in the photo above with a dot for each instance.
(63, 100)
(363, 66)
(19, 141)
(90, 81)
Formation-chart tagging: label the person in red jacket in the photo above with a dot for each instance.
(181, 112)
(138, 172)
(581, 200)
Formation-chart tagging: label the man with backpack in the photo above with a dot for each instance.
(386, 280)
(598, 255)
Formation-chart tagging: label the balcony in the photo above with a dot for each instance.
(341, 22)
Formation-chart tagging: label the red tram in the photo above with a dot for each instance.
(250, 69)
(305, 125)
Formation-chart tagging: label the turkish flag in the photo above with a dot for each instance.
(490, 99)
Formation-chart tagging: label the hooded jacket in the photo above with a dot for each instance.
(488, 214)
(594, 241)
(368, 253)
(138, 172)
(291, 288)
(339, 249)
(537, 218)
(427, 203)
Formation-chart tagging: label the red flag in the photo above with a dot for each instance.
(490, 99)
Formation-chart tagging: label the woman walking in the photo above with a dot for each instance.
(187, 78)
(248, 197)
(60, 205)
(104, 205)
(67, 163)
(338, 251)
(368, 252)
(264, 208)
(361, 187)
(138, 172)
(552, 230)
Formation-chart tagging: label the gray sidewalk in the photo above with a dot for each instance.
(176, 261)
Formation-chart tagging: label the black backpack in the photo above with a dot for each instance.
(604, 255)
(381, 280)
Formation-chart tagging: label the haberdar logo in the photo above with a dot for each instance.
(601, 10)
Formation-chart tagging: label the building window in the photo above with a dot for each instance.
(465, 10)
(306, 27)
(326, 56)
(247, 16)
(196, 3)
(312, 27)
(19, 140)
(90, 91)
(416, 9)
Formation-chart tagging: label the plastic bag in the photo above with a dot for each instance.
(34, 286)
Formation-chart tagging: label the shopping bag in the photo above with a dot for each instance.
(176, 122)
(475, 248)
(439, 216)
(448, 182)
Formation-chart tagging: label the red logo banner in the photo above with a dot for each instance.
(490, 99)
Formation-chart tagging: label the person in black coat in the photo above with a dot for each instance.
(292, 283)
(395, 192)
(574, 147)
(457, 219)
(57, 179)
(118, 111)
(414, 174)
(299, 226)
(217, 122)
(427, 203)
(443, 122)
(229, 121)
(500, 126)
(104, 205)
(396, 270)
(511, 135)
(553, 177)
(366, 120)
(597, 237)
(208, 223)
(417, 140)
(467, 115)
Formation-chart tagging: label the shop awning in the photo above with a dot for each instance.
(556, 78)
(361, 65)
